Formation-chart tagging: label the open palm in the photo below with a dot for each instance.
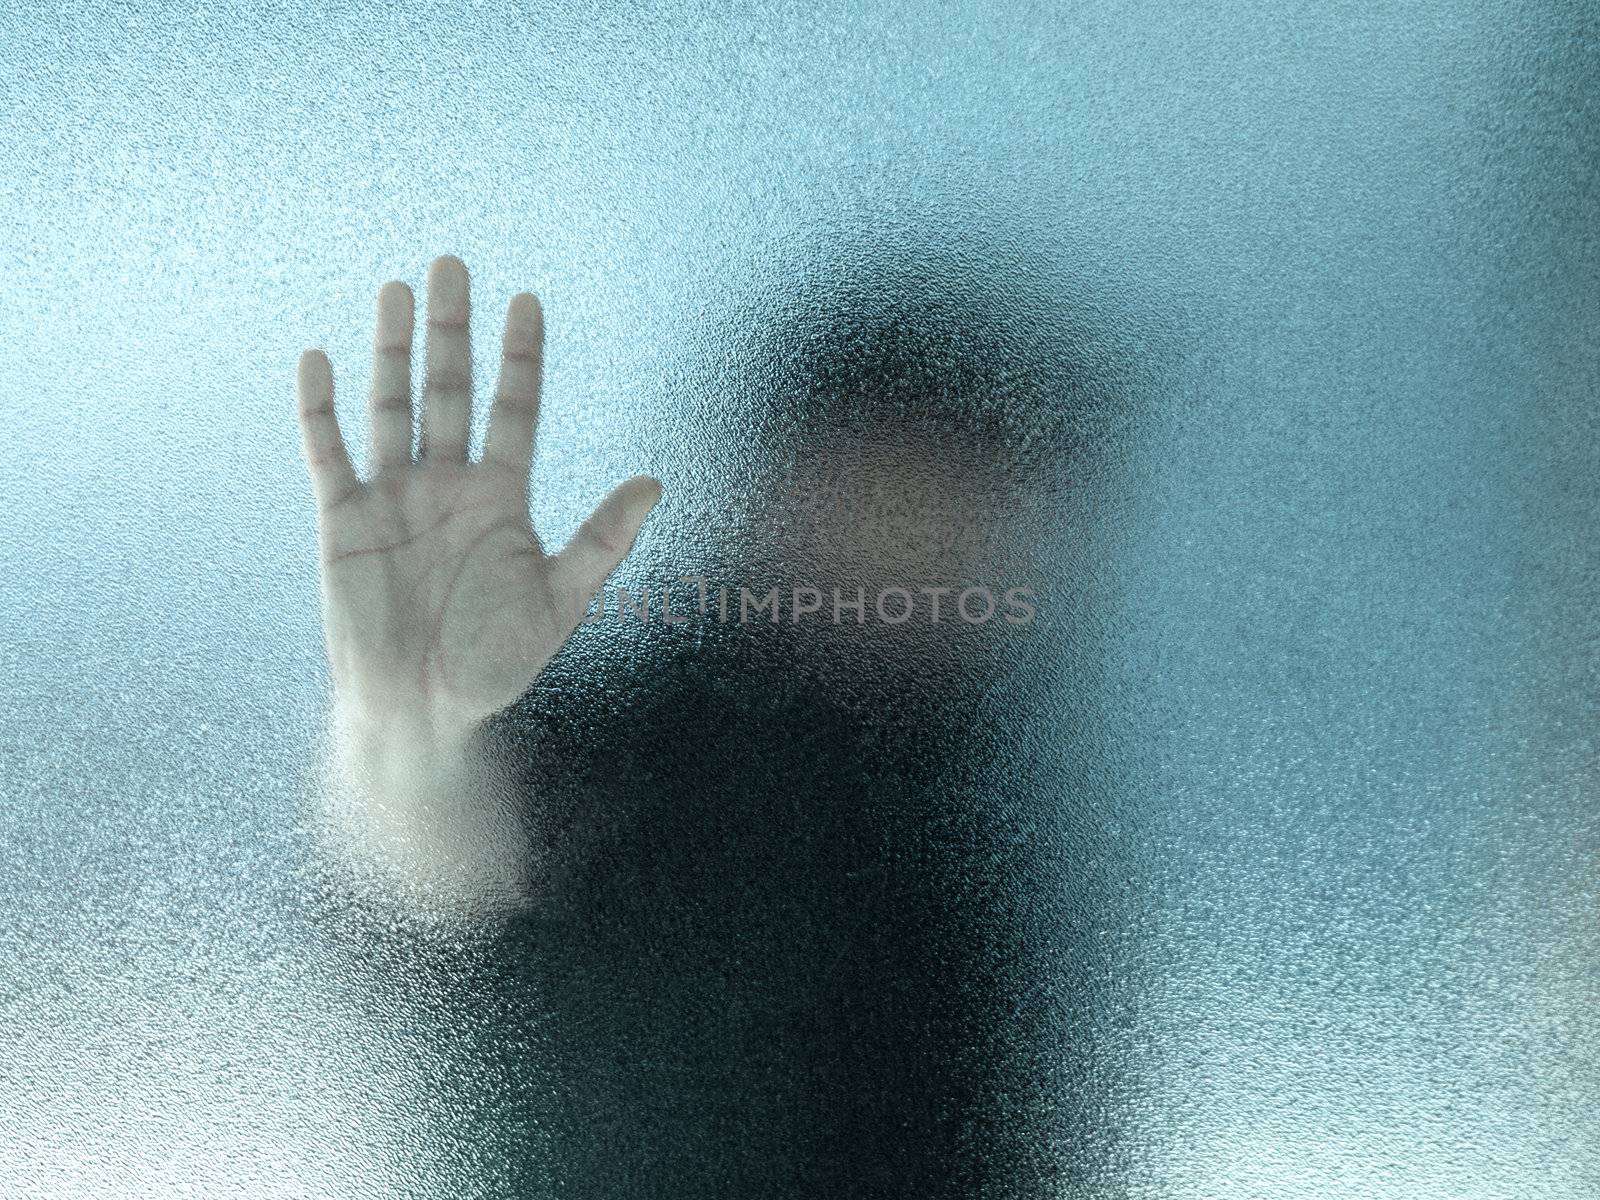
(439, 603)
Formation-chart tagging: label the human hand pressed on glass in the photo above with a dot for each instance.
(440, 604)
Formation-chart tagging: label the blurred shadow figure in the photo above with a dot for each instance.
(798, 885)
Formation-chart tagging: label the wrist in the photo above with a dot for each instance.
(428, 805)
(391, 725)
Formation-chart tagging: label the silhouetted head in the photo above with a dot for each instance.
(907, 418)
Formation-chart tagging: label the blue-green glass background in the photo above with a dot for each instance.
(1290, 309)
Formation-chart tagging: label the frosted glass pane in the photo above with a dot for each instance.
(1260, 342)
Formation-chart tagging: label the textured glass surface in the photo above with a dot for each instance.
(1260, 339)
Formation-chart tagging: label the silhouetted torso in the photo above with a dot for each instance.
(761, 936)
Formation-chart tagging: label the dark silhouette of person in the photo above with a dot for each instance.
(786, 910)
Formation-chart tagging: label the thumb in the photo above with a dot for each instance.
(602, 541)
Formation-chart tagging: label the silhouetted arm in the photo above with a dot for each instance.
(440, 605)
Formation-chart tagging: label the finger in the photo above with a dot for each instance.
(333, 479)
(390, 403)
(447, 399)
(515, 415)
(602, 542)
